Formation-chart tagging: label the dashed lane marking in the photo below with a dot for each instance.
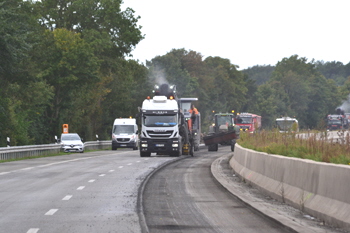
(66, 198)
(51, 212)
(81, 188)
(33, 230)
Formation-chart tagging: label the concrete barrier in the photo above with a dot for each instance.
(319, 189)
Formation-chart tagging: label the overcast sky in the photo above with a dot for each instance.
(247, 32)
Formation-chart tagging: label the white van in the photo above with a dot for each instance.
(125, 134)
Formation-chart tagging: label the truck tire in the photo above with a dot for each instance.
(135, 148)
(145, 154)
(216, 147)
(233, 143)
(212, 147)
(114, 148)
(192, 150)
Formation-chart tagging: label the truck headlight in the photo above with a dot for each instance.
(175, 145)
(143, 145)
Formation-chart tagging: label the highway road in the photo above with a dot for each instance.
(89, 192)
(115, 191)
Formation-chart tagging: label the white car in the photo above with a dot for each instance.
(71, 142)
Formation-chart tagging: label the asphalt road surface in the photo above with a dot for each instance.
(185, 197)
(89, 192)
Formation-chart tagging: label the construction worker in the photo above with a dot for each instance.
(194, 113)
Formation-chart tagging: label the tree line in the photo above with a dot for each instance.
(65, 62)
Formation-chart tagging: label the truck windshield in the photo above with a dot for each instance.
(159, 120)
(285, 125)
(224, 120)
(123, 129)
(244, 120)
(334, 122)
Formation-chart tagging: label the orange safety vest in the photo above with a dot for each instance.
(193, 110)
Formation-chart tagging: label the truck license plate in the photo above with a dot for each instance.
(159, 145)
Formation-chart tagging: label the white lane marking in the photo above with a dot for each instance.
(66, 198)
(51, 212)
(27, 168)
(129, 164)
(102, 174)
(138, 161)
(3, 173)
(81, 188)
(120, 166)
(33, 230)
(111, 171)
(67, 161)
(90, 181)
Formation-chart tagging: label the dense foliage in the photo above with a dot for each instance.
(65, 62)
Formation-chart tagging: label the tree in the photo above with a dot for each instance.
(95, 17)
(71, 68)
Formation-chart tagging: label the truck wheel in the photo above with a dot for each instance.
(135, 148)
(216, 147)
(211, 147)
(191, 150)
(145, 154)
(233, 143)
(114, 148)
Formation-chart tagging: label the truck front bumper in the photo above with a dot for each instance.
(159, 145)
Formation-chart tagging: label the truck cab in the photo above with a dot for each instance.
(160, 123)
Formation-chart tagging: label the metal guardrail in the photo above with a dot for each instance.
(19, 152)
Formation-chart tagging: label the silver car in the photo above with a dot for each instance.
(71, 142)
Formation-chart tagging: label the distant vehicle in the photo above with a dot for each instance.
(248, 122)
(71, 142)
(223, 131)
(336, 122)
(125, 134)
(287, 124)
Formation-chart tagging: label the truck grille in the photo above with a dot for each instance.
(123, 139)
(165, 134)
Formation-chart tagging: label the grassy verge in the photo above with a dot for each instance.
(316, 147)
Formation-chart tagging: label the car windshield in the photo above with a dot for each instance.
(159, 120)
(70, 137)
(123, 129)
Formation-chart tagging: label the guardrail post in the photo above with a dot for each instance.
(8, 142)
(56, 139)
(96, 137)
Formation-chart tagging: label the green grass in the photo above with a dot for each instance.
(292, 145)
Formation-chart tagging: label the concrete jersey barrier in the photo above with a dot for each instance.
(319, 189)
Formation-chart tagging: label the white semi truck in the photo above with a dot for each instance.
(163, 128)
(287, 124)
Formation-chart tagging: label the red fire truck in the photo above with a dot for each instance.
(248, 122)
